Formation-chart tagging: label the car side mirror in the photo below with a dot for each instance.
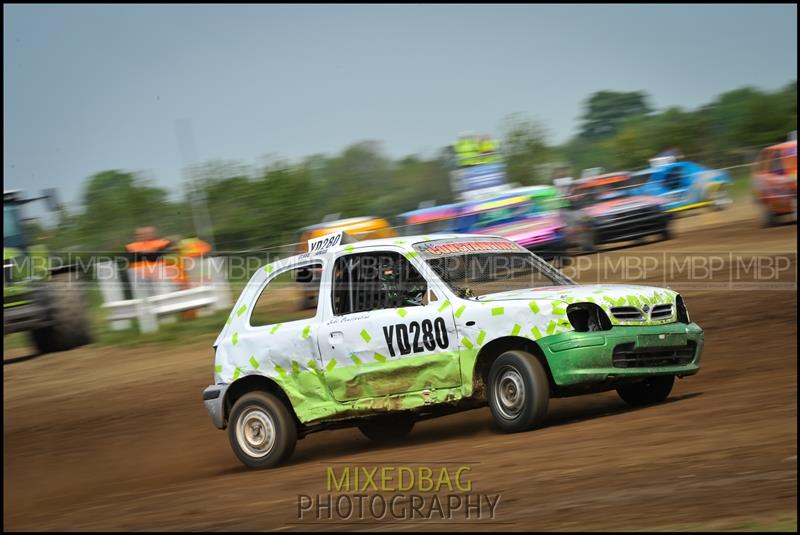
(304, 275)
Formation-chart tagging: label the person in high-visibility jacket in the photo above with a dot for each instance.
(189, 250)
(489, 150)
(148, 251)
(467, 150)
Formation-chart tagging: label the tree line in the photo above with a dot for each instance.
(264, 207)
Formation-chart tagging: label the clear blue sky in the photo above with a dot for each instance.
(88, 88)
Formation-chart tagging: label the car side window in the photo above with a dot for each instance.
(374, 281)
(290, 296)
(674, 178)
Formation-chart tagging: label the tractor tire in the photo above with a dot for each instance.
(66, 307)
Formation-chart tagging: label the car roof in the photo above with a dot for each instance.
(404, 242)
(608, 178)
(351, 221)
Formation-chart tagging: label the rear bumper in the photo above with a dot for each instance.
(588, 357)
(24, 317)
(214, 400)
(549, 249)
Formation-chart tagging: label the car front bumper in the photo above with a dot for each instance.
(214, 400)
(624, 352)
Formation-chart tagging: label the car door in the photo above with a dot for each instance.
(386, 329)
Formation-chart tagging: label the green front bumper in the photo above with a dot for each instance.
(582, 358)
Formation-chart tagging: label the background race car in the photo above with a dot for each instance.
(775, 182)
(609, 209)
(684, 185)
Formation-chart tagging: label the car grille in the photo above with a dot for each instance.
(626, 356)
(627, 313)
(661, 312)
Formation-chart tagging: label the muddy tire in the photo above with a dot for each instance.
(650, 391)
(387, 429)
(66, 305)
(587, 242)
(518, 391)
(666, 233)
(261, 430)
(768, 218)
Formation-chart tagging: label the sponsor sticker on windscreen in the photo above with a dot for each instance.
(446, 247)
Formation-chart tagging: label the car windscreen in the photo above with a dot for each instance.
(12, 227)
(473, 267)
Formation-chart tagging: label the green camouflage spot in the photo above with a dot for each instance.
(365, 335)
(460, 310)
(534, 307)
(558, 310)
(253, 362)
(218, 369)
(242, 310)
(399, 242)
(551, 327)
(275, 328)
(517, 328)
(402, 312)
(306, 331)
(235, 338)
(444, 305)
(295, 368)
(379, 357)
(236, 374)
(268, 268)
(481, 337)
(633, 301)
(466, 343)
(280, 370)
(228, 321)
(536, 333)
(355, 359)
(499, 311)
(349, 248)
(410, 255)
(331, 365)
(312, 364)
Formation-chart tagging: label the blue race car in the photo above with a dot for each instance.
(684, 185)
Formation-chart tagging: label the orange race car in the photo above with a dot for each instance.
(775, 181)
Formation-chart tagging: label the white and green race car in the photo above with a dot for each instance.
(416, 327)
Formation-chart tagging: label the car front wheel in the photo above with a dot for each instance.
(261, 430)
(519, 391)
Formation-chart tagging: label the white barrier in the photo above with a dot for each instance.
(160, 298)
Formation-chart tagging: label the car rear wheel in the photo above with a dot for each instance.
(261, 430)
(651, 390)
(519, 391)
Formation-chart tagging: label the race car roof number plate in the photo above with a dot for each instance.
(325, 242)
(438, 248)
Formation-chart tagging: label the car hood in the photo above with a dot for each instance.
(623, 205)
(522, 231)
(607, 296)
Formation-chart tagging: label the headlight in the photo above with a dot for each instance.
(683, 314)
(587, 317)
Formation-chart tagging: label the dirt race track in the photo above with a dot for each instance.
(103, 438)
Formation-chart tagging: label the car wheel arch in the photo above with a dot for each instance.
(493, 349)
(253, 383)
